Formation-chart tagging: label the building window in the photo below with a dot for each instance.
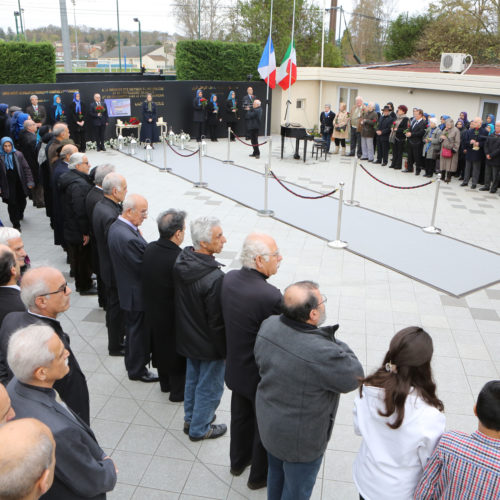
(489, 107)
(301, 103)
(348, 96)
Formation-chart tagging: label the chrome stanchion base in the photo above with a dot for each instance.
(227, 161)
(200, 184)
(431, 230)
(265, 213)
(337, 244)
(352, 203)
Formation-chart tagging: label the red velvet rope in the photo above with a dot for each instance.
(246, 143)
(184, 156)
(300, 195)
(391, 185)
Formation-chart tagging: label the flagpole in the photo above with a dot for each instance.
(269, 59)
(290, 75)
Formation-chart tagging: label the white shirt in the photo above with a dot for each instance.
(15, 287)
(390, 462)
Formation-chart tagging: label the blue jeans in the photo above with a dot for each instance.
(204, 388)
(328, 139)
(291, 480)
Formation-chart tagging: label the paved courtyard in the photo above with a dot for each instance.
(142, 431)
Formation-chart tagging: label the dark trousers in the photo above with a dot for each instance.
(328, 139)
(198, 130)
(114, 319)
(246, 445)
(397, 154)
(382, 148)
(472, 170)
(340, 142)
(99, 132)
(136, 357)
(232, 126)
(78, 135)
(355, 143)
(80, 257)
(16, 203)
(430, 165)
(415, 156)
(254, 139)
(212, 132)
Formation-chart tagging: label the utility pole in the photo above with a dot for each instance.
(20, 16)
(333, 21)
(17, 26)
(137, 20)
(65, 36)
(76, 34)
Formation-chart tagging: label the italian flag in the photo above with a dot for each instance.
(288, 66)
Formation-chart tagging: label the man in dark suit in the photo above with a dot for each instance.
(60, 168)
(126, 249)
(247, 300)
(27, 144)
(95, 195)
(106, 211)
(99, 115)
(415, 136)
(247, 105)
(10, 272)
(326, 120)
(7, 413)
(46, 295)
(159, 301)
(37, 112)
(39, 360)
(73, 187)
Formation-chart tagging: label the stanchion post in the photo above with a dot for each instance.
(265, 212)
(432, 229)
(164, 168)
(352, 202)
(200, 183)
(338, 243)
(228, 159)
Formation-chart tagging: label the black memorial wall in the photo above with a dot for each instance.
(174, 99)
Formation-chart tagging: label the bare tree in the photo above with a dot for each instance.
(210, 14)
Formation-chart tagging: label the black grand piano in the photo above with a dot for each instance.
(299, 133)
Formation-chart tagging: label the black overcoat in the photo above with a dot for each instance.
(159, 304)
(149, 130)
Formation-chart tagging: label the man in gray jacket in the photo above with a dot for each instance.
(303, 370)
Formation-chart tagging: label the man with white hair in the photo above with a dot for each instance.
(95, 195)
(12, 238)
(356, 112)
(60, 167)
(37, 111)
(39, 359)
(46, 294)
(60, 134)
(27, 459)
(106, 211)
(252, 120)
(27, 144)
(126, 249)
(74, 187)
(10, 299)
(200, 327)
(247, 300)
(99, 121)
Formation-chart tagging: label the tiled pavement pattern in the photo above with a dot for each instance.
(142, 430)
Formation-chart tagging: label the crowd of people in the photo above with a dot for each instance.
(209, 113)
(175, 309)
(469, 150)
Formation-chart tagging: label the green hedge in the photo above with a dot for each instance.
(23, 62)
(213, 60)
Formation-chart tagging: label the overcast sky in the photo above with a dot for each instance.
(154, 14)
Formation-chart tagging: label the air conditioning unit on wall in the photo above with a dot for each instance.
(455, 63)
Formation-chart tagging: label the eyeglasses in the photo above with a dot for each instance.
(324, 299)
(274, 254)
(61, 289)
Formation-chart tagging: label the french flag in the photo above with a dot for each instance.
(267, 64)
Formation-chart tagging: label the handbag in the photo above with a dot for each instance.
(327, 129)
(446, 153)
